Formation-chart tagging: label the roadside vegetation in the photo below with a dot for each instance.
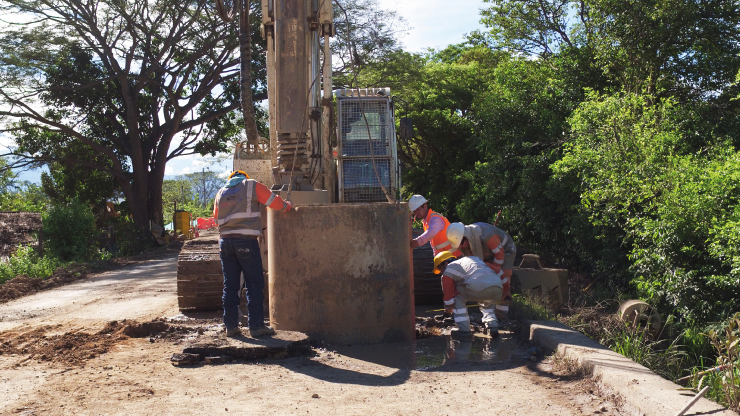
(611, 144)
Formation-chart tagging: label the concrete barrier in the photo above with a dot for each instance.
(643, 390)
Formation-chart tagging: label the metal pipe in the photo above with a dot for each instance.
(326, 151)
(692, 401)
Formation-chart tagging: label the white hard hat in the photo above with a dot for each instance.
(416, 201)
(455, 233)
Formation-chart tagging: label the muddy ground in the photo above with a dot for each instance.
(103, 345)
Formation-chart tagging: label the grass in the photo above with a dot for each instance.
(528, 307)
(26, 261)
(725, 383)
(679, 350)
(665, 358)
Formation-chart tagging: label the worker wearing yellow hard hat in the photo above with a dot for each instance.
(237, 213)
(468, 279)
(238, 172)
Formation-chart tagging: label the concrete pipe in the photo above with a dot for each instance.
(342, 273)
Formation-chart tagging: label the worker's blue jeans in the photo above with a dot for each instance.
(242, 255)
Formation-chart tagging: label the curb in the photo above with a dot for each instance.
(642, 390)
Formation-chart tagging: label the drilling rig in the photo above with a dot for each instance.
(339, 265)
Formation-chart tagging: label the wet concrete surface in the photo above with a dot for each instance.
(435, 352)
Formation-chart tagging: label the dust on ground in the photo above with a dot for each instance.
(62, 353)
(74, 348)
(131, 374)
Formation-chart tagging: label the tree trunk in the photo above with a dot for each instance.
(138, 206)
(245, 81)
(154, 204)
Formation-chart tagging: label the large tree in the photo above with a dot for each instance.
(120, 87)
(367, 37)
(654, 45)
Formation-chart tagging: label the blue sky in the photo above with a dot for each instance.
(434, 24)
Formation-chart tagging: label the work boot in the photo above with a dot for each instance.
(456, 333)
(233, 332)
(265, 330)
(491, 328)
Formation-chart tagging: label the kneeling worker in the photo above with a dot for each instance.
(464, 279)
(490, 244)
(237, 213)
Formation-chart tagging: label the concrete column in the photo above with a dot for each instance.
(342, 273)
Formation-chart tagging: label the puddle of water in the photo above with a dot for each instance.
(433, 352)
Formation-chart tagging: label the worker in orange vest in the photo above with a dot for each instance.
(237, 212)
(435, 226)
(492, 245)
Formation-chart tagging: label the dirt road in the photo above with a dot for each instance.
(124, 375)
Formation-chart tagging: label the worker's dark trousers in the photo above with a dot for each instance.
(242, 255)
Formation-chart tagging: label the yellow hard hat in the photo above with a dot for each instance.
(238, 172)
(440, 258)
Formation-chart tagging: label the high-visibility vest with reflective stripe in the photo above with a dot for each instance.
(239, 209)
(473, 273)
(439, 242)
(487, 231)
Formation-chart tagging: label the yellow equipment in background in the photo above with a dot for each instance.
(182, 223)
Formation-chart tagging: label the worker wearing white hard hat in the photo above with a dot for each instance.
(435, 225)
(468, 279)
(489, 243)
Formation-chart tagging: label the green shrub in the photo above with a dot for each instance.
(675, 211)
(129, 239)
(26, 261)
(69, 232)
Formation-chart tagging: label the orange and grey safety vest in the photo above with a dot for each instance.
(439, 242)
(237, 208)
(490, 241)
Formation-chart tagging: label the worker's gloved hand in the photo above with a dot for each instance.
(288, 206)
(414, 244)
(448, 311)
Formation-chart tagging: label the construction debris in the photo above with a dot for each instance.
(185, 359)
(18, 229)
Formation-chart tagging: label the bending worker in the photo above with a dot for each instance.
(237, 213)
(435, 225)
(464, 279)
(490, 244)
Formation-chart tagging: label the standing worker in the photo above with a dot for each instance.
(490, 244)
(435, 226)
(237, 213)
(464, 279)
